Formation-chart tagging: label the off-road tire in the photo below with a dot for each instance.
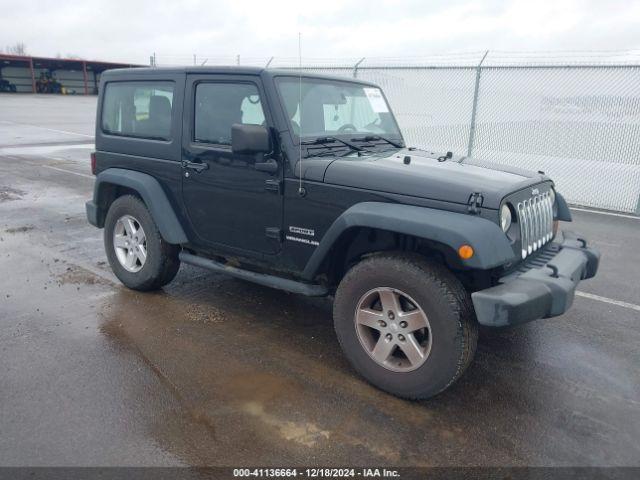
(443, 299)
(162, 263)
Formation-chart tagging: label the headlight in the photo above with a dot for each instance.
(505, 218)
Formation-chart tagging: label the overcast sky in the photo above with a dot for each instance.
(130, 30)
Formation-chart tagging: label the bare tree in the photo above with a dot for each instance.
(18, 48)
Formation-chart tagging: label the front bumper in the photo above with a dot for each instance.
(542, 287)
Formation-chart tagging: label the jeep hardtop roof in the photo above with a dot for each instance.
(124, 73)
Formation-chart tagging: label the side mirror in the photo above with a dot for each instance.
(249, 139)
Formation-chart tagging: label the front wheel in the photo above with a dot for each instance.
(137, 253)
(405, 324)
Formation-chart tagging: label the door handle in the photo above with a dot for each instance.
(270, 166)
(197, 166)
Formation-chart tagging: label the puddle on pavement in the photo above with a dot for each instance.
(253, 372)
(262, 371)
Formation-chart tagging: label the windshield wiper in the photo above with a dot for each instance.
(372, 138)
(329, 152)
(325, 140)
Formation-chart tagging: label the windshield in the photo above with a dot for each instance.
(332, 108)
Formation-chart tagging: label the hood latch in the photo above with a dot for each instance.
(475, 202)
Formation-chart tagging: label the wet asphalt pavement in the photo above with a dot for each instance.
(217, 371)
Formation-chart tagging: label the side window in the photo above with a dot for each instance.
(220, 105)
(138, 109)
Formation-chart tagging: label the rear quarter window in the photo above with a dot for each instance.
(138, 109)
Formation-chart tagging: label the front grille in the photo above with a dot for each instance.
(535, 215)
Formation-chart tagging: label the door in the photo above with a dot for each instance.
(228, 202)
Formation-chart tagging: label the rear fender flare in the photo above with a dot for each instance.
(151, 193)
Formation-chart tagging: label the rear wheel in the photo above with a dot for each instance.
(137, 253)
(405, 324)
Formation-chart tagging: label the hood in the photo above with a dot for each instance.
(452, 180)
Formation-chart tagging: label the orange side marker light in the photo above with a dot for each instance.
(465, 252)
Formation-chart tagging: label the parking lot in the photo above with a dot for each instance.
(216, 371)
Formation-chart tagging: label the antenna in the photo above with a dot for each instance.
(301, 190)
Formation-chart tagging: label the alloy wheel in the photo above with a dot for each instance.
(130, 243)
(393, 329)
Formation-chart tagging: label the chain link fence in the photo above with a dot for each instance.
(575, 116)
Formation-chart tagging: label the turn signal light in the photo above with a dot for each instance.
(93, 163)
(465, 252)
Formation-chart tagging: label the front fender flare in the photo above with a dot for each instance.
(152, 194)
(563, 213)
(490, 244)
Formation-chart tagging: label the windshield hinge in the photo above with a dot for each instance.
(475, 202)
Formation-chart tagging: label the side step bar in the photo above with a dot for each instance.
(308, 289)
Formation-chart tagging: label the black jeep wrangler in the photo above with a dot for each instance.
(303, 183)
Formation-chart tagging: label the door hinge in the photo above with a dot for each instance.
(274, 232)
(272, 185)
(475, 202)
